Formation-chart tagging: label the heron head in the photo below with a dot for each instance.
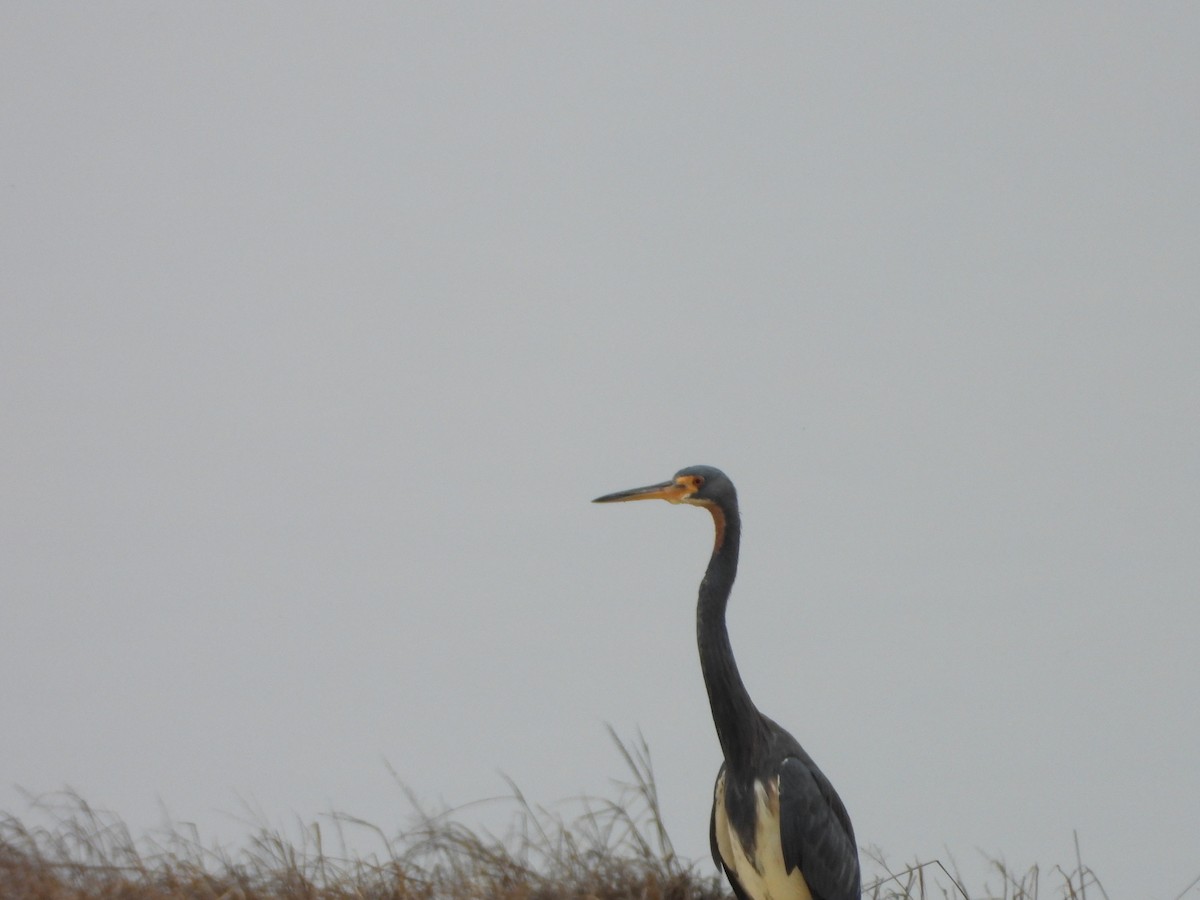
(697, 485)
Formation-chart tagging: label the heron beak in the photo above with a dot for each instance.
(671, 491)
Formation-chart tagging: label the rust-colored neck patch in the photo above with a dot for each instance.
(718, 515)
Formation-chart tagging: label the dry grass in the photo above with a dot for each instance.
(611, 849)
(934, 879)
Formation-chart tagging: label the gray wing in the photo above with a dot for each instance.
(815, 831)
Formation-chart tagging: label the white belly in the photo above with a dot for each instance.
(761, 872)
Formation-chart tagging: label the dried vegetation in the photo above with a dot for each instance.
(610, 849)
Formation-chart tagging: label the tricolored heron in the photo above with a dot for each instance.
(778, 828)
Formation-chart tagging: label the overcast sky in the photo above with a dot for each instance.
(321, 325)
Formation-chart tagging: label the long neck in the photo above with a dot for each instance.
(739, 724)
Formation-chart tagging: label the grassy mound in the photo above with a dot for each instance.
(610, 849)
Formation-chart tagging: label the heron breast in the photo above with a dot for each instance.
(760, 869)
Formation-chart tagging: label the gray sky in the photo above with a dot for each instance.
(322, 325)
